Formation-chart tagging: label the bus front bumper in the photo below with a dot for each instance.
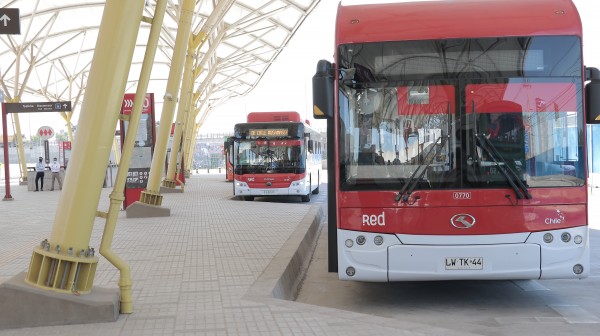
(423, 258)
(297, 188)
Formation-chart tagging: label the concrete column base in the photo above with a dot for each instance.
(143, 210)
(26, 306)
(167, 190)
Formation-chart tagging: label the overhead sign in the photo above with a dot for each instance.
(38, 107)
(10, 22)
(128, 99)
(45, 132)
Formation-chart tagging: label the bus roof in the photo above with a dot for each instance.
(273, 116)
(428, 20)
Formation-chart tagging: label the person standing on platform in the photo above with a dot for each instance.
(39, 169)
(55, 169)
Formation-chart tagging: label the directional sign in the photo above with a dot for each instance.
(128, 99)
(45, 132)
(10, 22)
(38, 107)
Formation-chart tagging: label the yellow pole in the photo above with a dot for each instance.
(152, 194)
(116, 151)
(70, 130)
(182, 111)
(20, 148)
(189, 144)
(116, 197)
(77, 208)
(192, 147)
(187, 134)
(18, 137)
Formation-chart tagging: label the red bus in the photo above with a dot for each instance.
(456, 134)
(227, 147)
(275, 153)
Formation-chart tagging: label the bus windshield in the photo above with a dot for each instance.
(269, 156)
(448, 114)
(269, 147)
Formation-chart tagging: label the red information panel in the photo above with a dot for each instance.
(64, 153)
(141, 159)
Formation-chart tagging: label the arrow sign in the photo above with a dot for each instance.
(10, 22)
(129, 99)
(38, 107)
(4, 18)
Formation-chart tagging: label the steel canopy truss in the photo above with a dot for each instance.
(51, 58)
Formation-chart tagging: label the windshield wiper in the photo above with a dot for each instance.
(413, 180)
(503, 166)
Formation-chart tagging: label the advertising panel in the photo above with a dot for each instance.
(141, 158)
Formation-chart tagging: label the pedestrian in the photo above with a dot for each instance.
(55, 169)
(39, 169)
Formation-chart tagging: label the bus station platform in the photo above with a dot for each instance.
(216, 266)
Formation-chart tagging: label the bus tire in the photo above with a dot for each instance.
(248, 198)
(305, 198)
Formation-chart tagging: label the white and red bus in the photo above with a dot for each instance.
(456, 134)
(275, 153)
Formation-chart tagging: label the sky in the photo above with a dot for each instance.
(287, 84)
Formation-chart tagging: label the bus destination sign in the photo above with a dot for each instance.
(268, 132)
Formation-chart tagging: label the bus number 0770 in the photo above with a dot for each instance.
(461, 195)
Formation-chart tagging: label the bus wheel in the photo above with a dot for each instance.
(305, 198)
(248, 198)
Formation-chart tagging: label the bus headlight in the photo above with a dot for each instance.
(349, 243)
(578, 239)
(578, 269)
(241, 184)
(360, 240)
(565, 237)
(548, 238)
(297, 183)
(378, 240)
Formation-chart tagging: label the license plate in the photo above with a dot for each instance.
(268, 192)
(464, 263)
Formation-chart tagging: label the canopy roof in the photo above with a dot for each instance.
(50, 59)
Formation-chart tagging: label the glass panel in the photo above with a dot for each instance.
(391, 132)
(533, 126)
(419, 110)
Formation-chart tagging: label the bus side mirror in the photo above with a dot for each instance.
(323, 94)
(311, 145)
(592, 96)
